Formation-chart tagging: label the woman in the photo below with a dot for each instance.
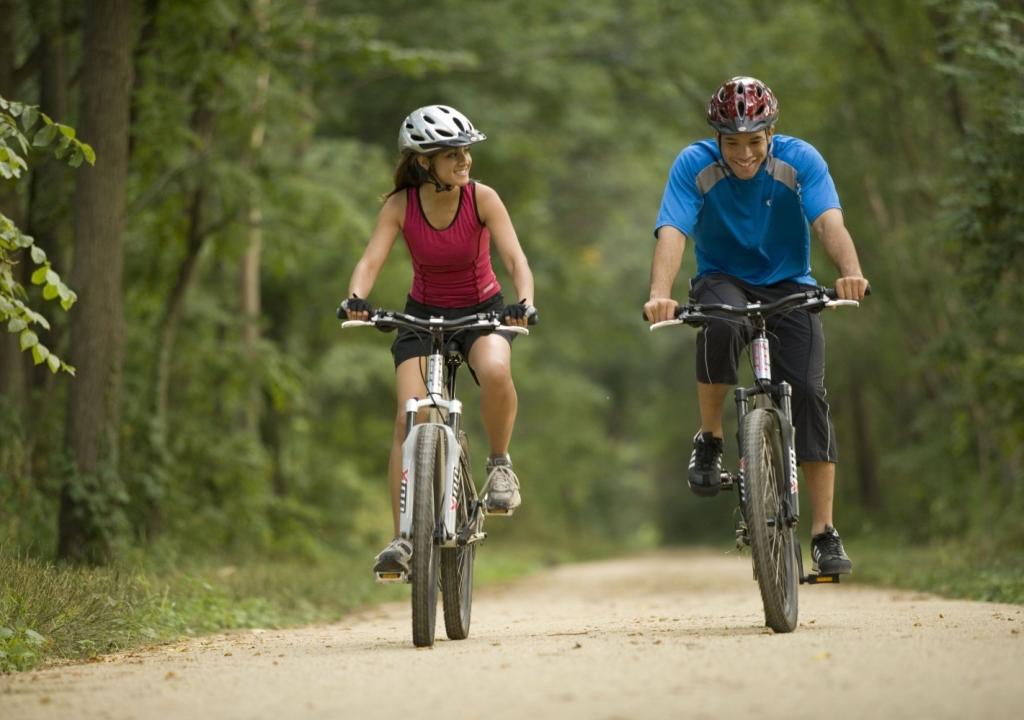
(448, 221)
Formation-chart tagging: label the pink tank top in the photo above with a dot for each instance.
(451, 266)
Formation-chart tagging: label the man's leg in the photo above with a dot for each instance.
(711, 397)
(827, 552)
(798, 357)
(719, 345)
(820, 478)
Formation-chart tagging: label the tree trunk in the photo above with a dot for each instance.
(50, 184)
(97, 320)
(249, 270)
(867, 456)
(203, 123)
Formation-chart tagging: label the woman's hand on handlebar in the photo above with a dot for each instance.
(355, 308)
(522, 314)
(852, 287)
(660, 310)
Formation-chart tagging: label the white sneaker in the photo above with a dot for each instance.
(501, 492)
(394, 558)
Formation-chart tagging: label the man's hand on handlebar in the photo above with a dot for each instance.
(355, 308)
(660, 310)
(851, 287)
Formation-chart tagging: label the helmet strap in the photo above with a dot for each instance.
(432, 176)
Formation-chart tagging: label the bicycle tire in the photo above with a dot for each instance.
(457, 562)
(429, 470)
(772, 542)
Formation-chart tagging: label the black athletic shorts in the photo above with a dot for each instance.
(797, 345)
(410, 344)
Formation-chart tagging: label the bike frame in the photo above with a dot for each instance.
(441, 368)
(440, 396)
(779, 395)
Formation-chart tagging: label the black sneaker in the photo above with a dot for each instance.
(705, 476)
(828, 555)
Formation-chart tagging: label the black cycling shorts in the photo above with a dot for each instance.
(410, 344)
(797, 344)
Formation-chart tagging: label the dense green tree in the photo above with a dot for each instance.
(256, 149)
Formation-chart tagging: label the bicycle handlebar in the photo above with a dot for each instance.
(695, 314)
(390, 320)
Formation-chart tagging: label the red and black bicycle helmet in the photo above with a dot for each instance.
(743, 104)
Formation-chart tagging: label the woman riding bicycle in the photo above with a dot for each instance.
(448, 221)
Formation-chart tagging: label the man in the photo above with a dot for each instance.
(745, 198)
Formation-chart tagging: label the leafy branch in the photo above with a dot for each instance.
(24, 128)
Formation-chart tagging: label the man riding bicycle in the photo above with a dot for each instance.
(746, 198)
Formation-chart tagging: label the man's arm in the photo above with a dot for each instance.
(836, 239)
(668, 257)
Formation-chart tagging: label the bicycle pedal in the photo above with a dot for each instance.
(815, 579)
(499, 512)
(470, 539)
(391, 577)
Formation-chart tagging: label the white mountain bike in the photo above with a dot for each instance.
(440, 511)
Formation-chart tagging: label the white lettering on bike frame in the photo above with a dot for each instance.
(408, 490)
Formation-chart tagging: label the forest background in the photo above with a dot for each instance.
(219, 425)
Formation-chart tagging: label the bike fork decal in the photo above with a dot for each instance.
(456, 478)
(793, 487)
(404, 491)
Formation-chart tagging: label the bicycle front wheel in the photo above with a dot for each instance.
(772, 541)
(457, 562)
(429, 472)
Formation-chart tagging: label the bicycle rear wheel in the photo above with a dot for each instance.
(457, 562)
(429, 472)
(772, 541)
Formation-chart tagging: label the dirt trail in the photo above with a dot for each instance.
(666, 635)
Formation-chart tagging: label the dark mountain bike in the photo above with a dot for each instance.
(441, 513)
(766, 478)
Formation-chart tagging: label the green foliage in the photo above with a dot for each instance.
(23, 127)
(19, 648)
(916, 107)
(50, 612)
(974, 571)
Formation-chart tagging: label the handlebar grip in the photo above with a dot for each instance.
(675, 315)
(831, 294)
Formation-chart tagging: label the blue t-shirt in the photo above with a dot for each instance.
(756, 229)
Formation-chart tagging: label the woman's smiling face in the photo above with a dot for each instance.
(744, 152)
(451, 165)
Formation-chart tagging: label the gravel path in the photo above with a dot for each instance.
(664, 635)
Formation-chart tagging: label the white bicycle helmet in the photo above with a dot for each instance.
(435, 126)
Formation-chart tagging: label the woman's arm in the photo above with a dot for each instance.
(495, 217)
(364, 275)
